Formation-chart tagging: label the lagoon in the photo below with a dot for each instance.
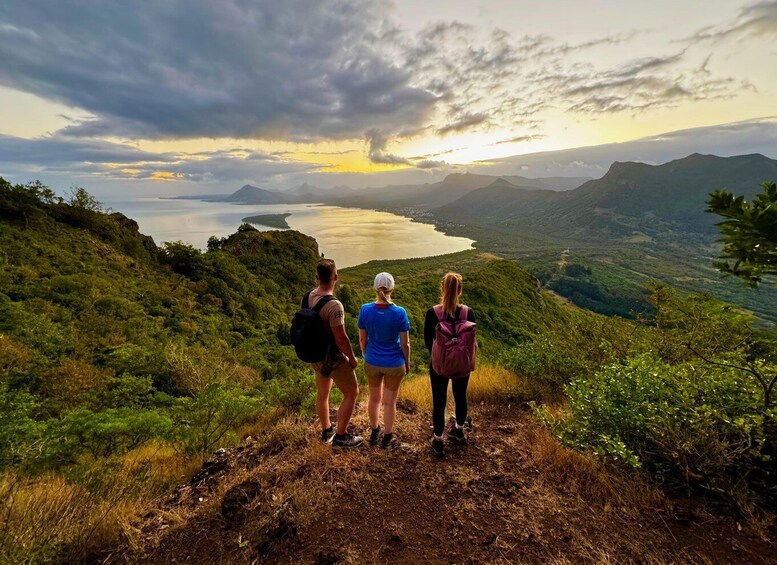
(350, 236)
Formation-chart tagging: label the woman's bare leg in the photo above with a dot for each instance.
(389, 409)
(376, 397)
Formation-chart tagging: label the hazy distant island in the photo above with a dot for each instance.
(269, 220)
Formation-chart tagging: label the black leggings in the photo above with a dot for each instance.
(440, 399)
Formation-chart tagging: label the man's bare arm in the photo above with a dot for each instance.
(344, 344)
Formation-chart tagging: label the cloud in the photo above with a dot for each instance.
(520, 139)
(430, 164)
(637, 85)
(463, 122)
(754, 20)
(309, 70)
(376, 152)
(751, 136)
(85, 158)
(608, 40)
(298, 69)
(492, 78)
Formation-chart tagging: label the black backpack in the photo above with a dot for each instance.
(308, 332)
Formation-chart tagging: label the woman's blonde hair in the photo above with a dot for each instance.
(451, 289)
(384, 294)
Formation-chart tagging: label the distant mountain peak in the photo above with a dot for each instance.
(501, 182)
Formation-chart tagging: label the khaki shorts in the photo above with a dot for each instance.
(390, 376)
(342, 374)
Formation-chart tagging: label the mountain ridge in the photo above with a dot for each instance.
(673, 192)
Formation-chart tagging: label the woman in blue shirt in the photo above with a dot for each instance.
(385, 344)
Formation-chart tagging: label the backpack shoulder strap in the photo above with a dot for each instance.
(306, 300)
(322, 302)
(439, 313)
(463, 312)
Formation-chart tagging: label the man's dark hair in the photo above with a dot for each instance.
(326, 269)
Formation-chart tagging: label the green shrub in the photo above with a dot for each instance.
(703, 425)
(18, 428)
(542, 360)
(208, 419)
(103, 433)
(296, 390)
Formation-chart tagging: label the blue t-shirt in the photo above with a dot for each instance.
(383, 325)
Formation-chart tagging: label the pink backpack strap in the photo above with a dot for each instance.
(440, 313)
(463, 312)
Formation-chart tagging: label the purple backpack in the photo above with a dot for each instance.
(455, 347)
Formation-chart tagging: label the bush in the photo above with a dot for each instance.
(184, 259)
(18, 428)
(544, 361)
(702, 425)
(209, 418)
(103, 434)
(296, 391)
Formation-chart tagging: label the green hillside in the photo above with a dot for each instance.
(98, 325)
(124, 365)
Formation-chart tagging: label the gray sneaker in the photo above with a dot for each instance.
(347, 441)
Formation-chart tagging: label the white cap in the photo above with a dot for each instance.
(384, 280)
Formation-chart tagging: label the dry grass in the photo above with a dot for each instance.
(50, 518)
(515, 484)
(488, 384)
(583, 473)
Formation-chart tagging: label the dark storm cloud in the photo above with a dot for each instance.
(298, 69)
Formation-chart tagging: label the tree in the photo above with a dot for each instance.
(749, 233)
(79, 198)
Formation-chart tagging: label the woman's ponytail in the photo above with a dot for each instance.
(451, 289)
(384, 294)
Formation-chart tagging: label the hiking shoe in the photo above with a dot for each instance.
(375, 435)
(328, 434)
(457, 434)
(438, 447)
(468, 424)
(347, 441)
(389, 441)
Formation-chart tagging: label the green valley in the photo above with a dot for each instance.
(124, 365)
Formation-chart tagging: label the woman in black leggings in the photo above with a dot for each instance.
(451, 292)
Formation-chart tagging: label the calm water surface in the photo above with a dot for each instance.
(350, 236)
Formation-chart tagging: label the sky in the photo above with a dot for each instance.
(203, 96)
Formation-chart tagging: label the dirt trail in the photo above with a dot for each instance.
(513, 495)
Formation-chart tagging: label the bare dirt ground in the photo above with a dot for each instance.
(513, 495)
